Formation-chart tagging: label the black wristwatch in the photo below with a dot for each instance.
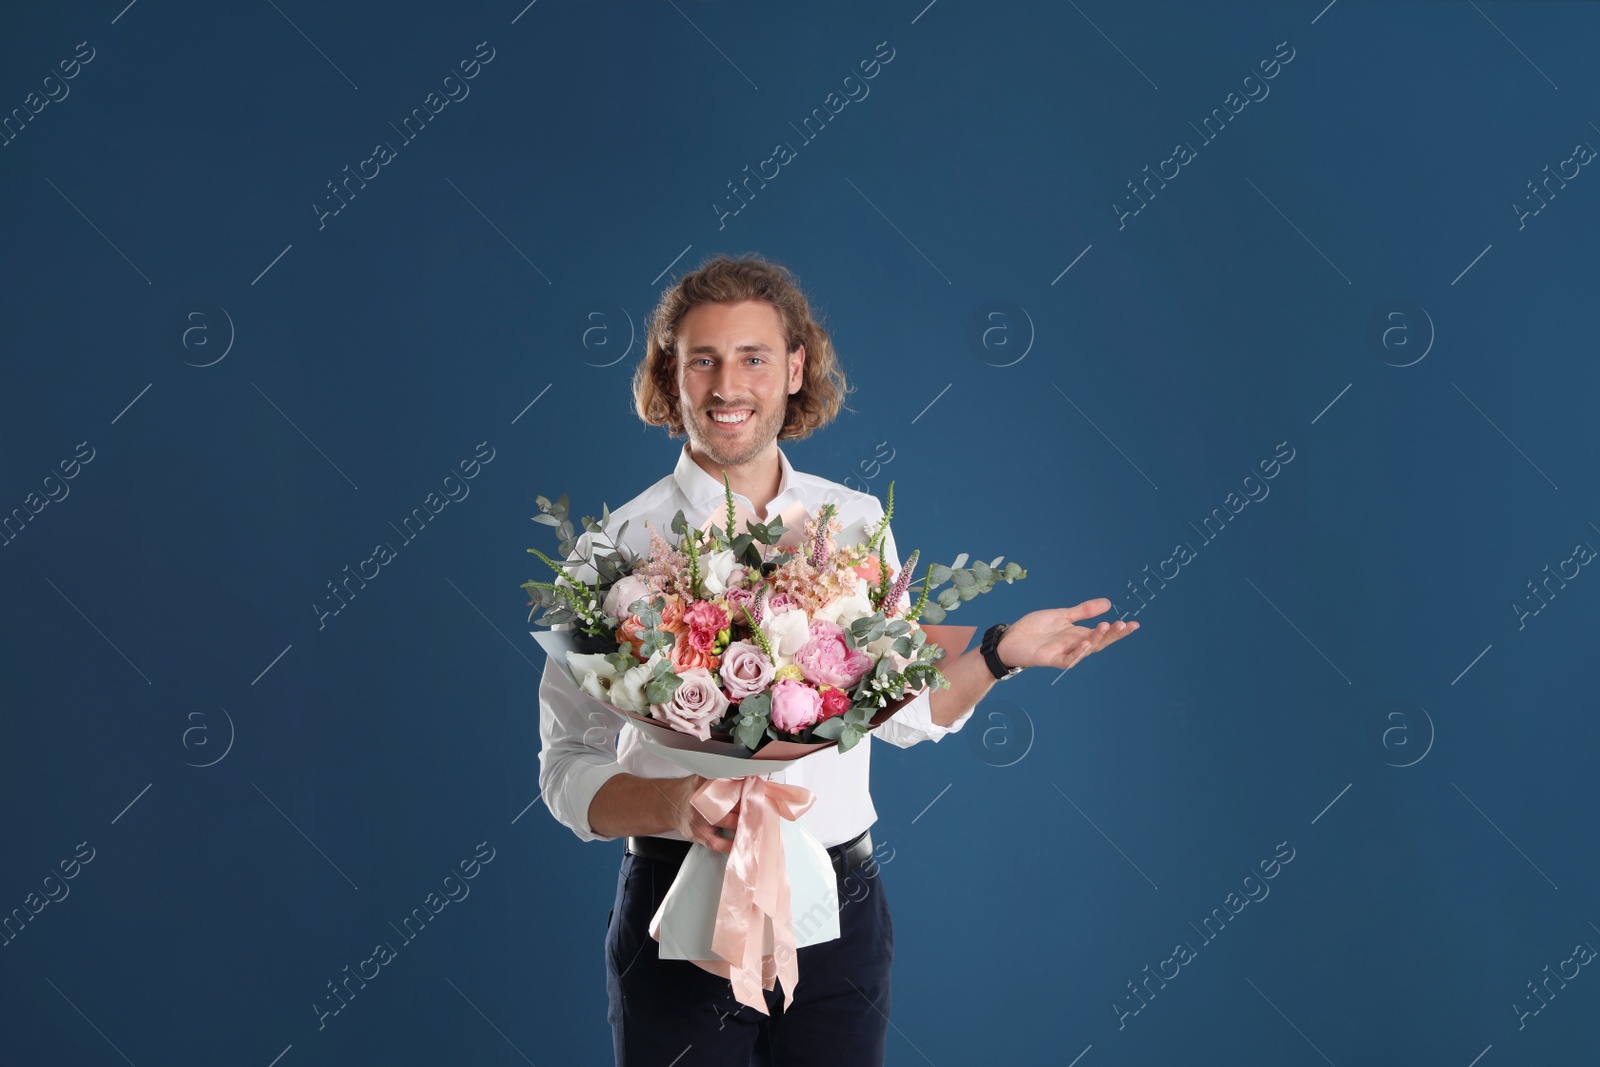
(991, 652)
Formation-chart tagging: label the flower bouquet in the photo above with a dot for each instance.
(736, 654)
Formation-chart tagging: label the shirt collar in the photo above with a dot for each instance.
(703, 491)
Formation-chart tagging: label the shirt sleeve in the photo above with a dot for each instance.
(914, 722)
(578, 744)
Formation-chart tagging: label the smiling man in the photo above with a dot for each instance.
(736, 362)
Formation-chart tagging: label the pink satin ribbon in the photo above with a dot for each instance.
(755, 886)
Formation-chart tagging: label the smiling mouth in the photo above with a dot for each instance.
(731, 418)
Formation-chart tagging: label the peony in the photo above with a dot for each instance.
(845, 609)
(695, 705)
(795, 705)
(717, 571)
(623, 593)
(834, 702)
(826, 659)
(745, 669)
(786, 632)
(627, 691)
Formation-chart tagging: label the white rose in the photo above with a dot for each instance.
(593, 672)
(715, 570)
(879, 648)
(845, 609)
(627, 691)
(624, 592)
(786, 632)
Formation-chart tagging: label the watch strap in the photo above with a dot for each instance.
(991, 652)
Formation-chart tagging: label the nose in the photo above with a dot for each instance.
(725, 383)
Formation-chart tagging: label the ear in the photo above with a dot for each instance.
(797, 369)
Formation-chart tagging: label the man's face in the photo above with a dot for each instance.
(731, 362)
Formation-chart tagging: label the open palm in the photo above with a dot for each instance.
(1051, 637)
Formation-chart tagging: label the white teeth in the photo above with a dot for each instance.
(730, 419)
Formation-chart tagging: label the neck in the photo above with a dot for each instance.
(757, 479)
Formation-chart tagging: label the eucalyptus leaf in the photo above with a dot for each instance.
(750, 731)
(758, 705)
(660, 690)
(828, 729)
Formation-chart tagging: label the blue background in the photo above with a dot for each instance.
(1343, 670)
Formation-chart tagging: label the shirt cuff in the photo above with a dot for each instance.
(914, 722)
(582, 778)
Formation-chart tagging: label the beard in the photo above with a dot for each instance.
(759, 431)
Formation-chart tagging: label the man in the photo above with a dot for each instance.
(736, 362)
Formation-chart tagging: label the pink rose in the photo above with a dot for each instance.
(825, 659)
(745, 669)
(780, 602)
(695, 705)
(795, 705)
(740, 598)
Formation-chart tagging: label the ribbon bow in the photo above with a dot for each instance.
(755, 886)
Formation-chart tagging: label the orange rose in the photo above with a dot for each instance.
(672, 615)
(684, 655)
(631, 629)
(631, 632)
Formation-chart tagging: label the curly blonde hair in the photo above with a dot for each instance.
(726, 280)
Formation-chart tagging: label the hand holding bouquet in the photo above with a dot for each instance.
(736, 654)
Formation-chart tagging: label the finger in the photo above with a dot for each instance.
(706, 835)
(1090, 608)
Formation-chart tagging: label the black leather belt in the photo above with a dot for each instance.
(846, 857)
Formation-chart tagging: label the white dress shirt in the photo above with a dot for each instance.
(584, 743)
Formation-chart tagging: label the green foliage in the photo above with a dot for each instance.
(965, 583)
(664, 681)
(568, 600)
(755, 715)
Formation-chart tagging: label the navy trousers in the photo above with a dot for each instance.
(670, 1013)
